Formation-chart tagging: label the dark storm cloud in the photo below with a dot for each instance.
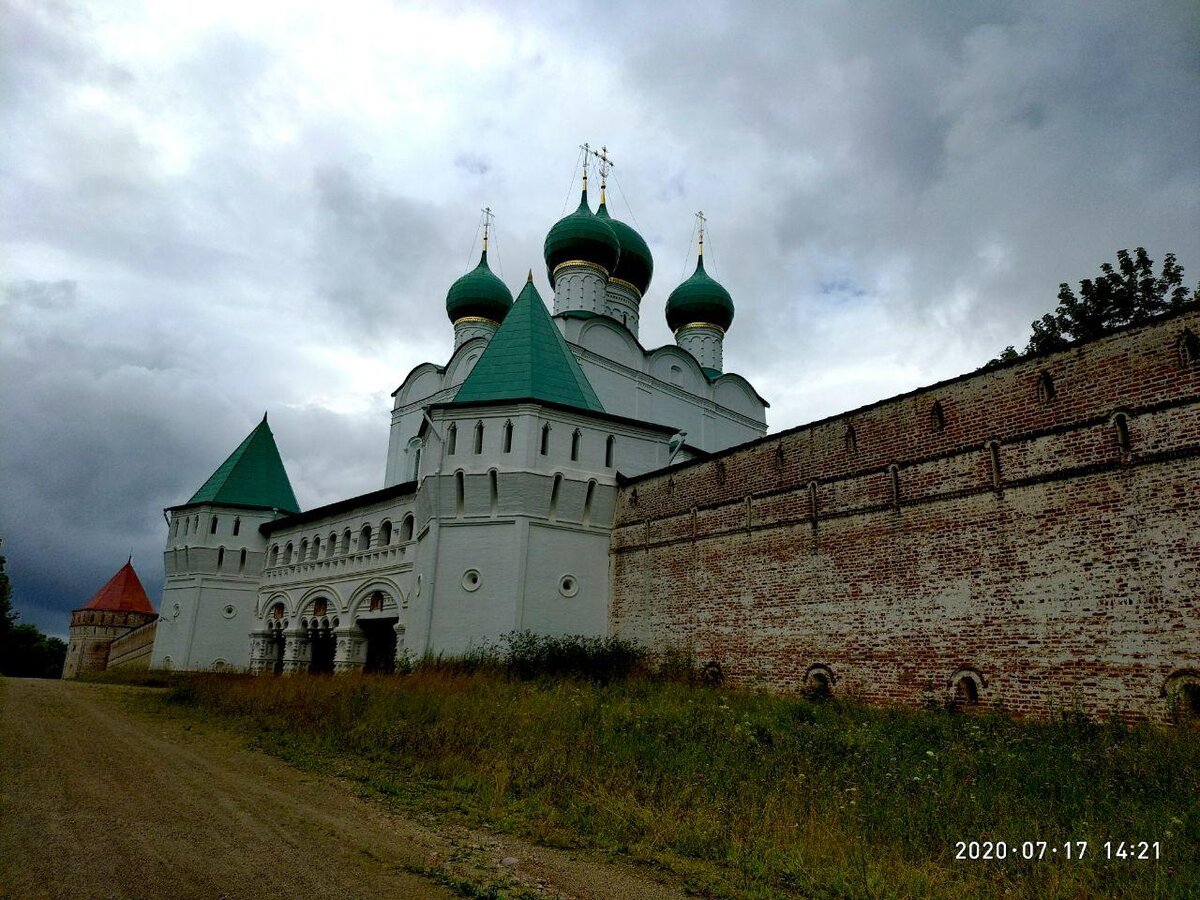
(379, 255)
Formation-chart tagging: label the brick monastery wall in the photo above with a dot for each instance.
(1043, 543)
(132, 650)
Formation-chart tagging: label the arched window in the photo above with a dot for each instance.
(850, 439)
(460, 492)
(220, 558)
(609, 448)
(242, 561)
(937, 416)
(478, 437)
(1046, 391)
(576, 438)
(346, 541)
(545, 447)
(818, 682)
(212, 528)
(1189, 348)
(966, 686)
(331, 545)
(451, 439)
(507, 442)
(1183, 697)
(676, 376)
(385, 533)
(237, 526)
(414, 459)
(316, 551)
(303, 549)
(274, 557)
(196, 524)
(287, 554)
(493, 491)
(175, 528)
(364, 539)
(406, 528)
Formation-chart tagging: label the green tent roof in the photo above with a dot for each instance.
(252, 476)
(527, 359)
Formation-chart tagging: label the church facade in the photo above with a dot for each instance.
(501, 478)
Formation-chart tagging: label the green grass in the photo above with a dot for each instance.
(743, 794)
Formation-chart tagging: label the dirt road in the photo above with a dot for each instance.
(100, 799)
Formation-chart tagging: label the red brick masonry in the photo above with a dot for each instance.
(1033, 530)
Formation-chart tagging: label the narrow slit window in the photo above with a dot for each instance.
(576, 438)
(1121, 422)
(237, 526)
(1189, 348)
(610, 446)
(545, 448)
(587, 502)
(212, 528)
(1046, 392)
(937, 416)
(451, 438)
(478, 438)
(493, 491)
(554, 491)
(460, 492)
(507, 437)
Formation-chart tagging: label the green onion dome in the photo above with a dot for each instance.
(581, 235)
(636, 265)
(699, 299)
(480, 294)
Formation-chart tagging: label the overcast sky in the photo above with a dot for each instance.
(208, 210)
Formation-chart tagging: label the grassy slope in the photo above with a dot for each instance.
(745, 794)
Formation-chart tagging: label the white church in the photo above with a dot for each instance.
(497, 500)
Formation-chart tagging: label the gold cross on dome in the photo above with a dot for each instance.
(488, 219)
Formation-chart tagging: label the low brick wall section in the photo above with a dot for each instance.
(1027, 538)
(132, 650)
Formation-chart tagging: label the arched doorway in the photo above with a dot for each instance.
(377, 620)
(322, 643)
(276, 639)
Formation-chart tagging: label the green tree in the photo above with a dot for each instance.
(8, 616)
(1127, 294)
(24, 651)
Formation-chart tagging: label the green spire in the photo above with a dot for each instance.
(527, 359)
(252, 476)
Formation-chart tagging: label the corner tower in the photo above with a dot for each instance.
(214, 557)
(700, 311)
(116, 609)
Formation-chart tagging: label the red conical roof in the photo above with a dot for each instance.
(123, 593)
